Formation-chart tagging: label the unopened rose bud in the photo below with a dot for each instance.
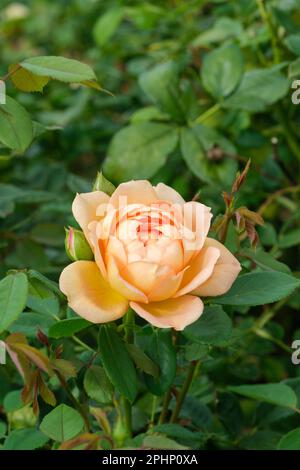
(77, 248)
(102, 184)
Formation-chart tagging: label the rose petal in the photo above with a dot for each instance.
(165, 193)
(196, 218)
(121, 285)
(171, 313)
(89, 295)
(224, 274)
(200, 270)
(85, 207)
(140, 191)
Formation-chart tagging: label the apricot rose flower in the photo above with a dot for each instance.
(151, 253)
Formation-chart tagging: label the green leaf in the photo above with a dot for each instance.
(26, 81)
(30, 322)
(16, 130)
(160, 441)
(258, 89)
(159, 347)
(213, 327)
(59, 68)
(62, 423)
(294, 68)
(13, 401)
(292, 238)
(106, 25)
(196, 143)
(102, 184)
(97, 385)
(13, 296)
(117, 362)
(139, 151)
(259, 288)
(2, 429)
(222, 70)
(290, 441)
(25, 439)
(40, 298)
(265, 260)
(161, 85)
(293, 43)
(142, 361)
(68, 327)
(276, 394)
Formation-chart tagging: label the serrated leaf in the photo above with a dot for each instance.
(277, 394)
(259, 288)
(62, 423)
(142, 361)
(213, 327)
(26, 81)
(117, 362)
(59, 68)
(139, 150)
(16, 129)
(68, 327)
(97, 385)
(290, 441)
(13, 296)
(25, 439)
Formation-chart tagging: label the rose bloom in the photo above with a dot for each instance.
(151, 253)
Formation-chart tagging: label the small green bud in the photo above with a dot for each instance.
(102, 184)
(77, 247)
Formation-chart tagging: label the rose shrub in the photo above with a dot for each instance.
(151, 253)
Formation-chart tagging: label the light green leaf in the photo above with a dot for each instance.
(97, 385)
(258, 89)
(139, 151)
(294, 68)
(106, 25)
(62, 423)
(16, 130)
(13, 296)
(117, 362)
(213, 327)
(222, 70)
(196, 143)
(292, 238)
(68, 327)
(290, 441)
(59, 68)
(25, 439)
(30, 322)
(259, 288)
(161, 85)
(293, 43)
(276, 394)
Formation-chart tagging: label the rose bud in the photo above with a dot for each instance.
(77, 248)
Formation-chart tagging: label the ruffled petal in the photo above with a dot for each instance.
(224, 274)
(200, 270)
(85, 207)
(165, 193)
(171, 313)
(140, 191)
(89, 294)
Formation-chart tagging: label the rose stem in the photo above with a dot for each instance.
(165, 408)
(128, 322)
(185, 388)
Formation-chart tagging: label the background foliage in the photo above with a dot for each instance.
(197, 88)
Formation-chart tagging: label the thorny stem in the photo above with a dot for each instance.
(185, 388)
